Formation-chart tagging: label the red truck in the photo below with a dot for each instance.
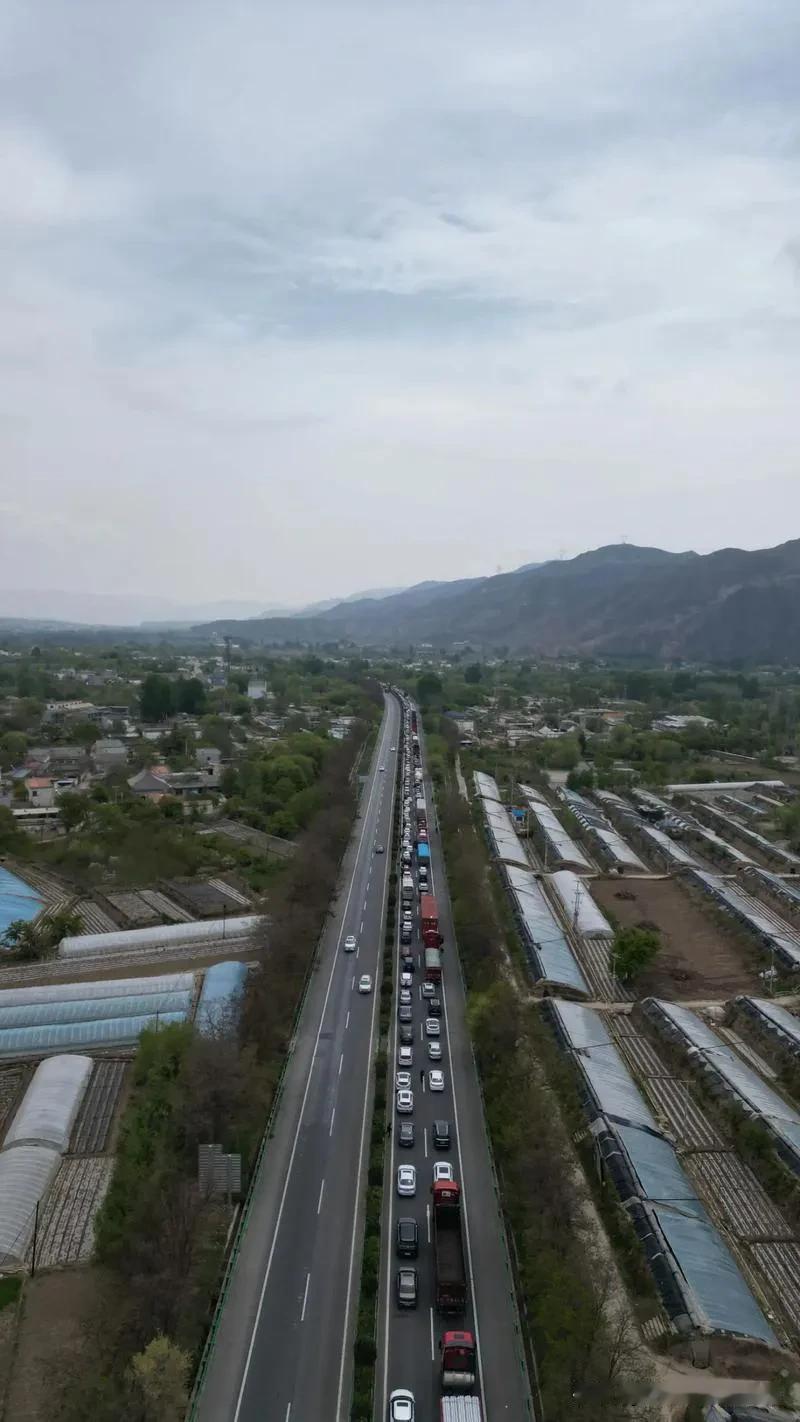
(429, 921)
(459, 1361)
(448, 1249)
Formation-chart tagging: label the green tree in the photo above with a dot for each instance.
(191, 696)
(74, 809)
(83, 733)
(473, 673)
(634, 950)
(13, 745)
(12, 840)
(157, 698)
(160, 1378)
(429, 687)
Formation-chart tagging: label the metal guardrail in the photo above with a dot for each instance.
(244, 1217)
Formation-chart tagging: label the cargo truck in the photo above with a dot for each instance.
(448, 1250)
(429, 921)
(407, 890)
(460, 1409)
(423, 854)
(459, 1362)
(433, 965)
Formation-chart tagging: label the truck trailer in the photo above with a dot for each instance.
(460, 1409)
(429, 921)
(448, 1249)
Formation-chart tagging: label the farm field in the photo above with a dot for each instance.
(698, 958)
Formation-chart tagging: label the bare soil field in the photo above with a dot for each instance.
(698, 958)
(53, 1309)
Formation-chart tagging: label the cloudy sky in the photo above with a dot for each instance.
(306, 296)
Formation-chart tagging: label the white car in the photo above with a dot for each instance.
(402, 1081)
(432, 1027)
(382, 768)
(401, 1405)
(442, 1170)
(405, 997)
(434, 1051)
(406, 980)
(405, 1057)
(393, 748)
(365, 983)
(405, 1101)
(428, 990)
(406, 1180)
(436, 1081)
(350, 943)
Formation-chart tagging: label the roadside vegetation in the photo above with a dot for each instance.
(159, 1243)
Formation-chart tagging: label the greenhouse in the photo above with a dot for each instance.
(503, 838)
(220, 998)
(117, 987)
(547, 948)
(93, 1009)
(772, 1021)
(697, 1277)
(130, 940)
(485, 786)
(665, 850)
(558, 846)
(73, 1036)
(50, 1104)
(772, 852)
(727, 1075)
(583, 913)
(785, 945)
(610, 845)
(26, 1175)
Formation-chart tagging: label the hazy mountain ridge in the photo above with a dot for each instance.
(617, 599)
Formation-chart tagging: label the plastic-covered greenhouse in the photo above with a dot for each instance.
(698, 1278)
(26, 1174)
(503, 838)
(580, 907)
(128, 940)
(50, 1105)
(220, 997)
(486, 786)
(546, 945)
(560, 847)
(70, 1036)
(92, 1009)
(107, 987)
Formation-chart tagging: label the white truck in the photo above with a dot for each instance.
(407, 890)
(461, 1409)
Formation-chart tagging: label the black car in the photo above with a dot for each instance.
(405, 1133)
(406, 1288)
(405, 935)
(405, 1013)
(406, 1035)
(407, 1239)
(407, 963)
(434, 1007)
(441, 1135)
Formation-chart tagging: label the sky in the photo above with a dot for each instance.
(300, 298)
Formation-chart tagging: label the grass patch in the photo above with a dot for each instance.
(10, 1290)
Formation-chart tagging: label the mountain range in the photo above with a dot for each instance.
(616, 600)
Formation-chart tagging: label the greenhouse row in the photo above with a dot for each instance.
(220, 996)
(504, 841)
(74, 1016)
(35, 1141)
(557, 846)
(771, 886)
(85, 945)
(727, 1075)
(579, 906)
(485, 786)
(547, 949)
(783, 942)
(699, 1281)
(773, 1022)
(609, 845)
(771, 852)
(664, 850)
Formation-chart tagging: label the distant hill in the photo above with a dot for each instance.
(620, 599)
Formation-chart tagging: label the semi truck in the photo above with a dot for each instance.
(423, 855)
(429, 921)
(448, 1249)
(433, 965)
(459, 1361)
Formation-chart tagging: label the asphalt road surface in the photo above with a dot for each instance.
(284, 1347)
(408, 1339)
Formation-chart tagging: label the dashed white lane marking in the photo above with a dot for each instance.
(333, 1118)
(305, 1298)
(341, 1059)
(321, 1193)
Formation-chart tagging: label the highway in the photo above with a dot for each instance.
(284, 1348)
(408, 1339)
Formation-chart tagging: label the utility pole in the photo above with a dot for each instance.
(35, 1238)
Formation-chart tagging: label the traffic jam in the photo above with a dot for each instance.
(420, 1084)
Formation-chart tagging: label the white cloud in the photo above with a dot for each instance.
(262, 273)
